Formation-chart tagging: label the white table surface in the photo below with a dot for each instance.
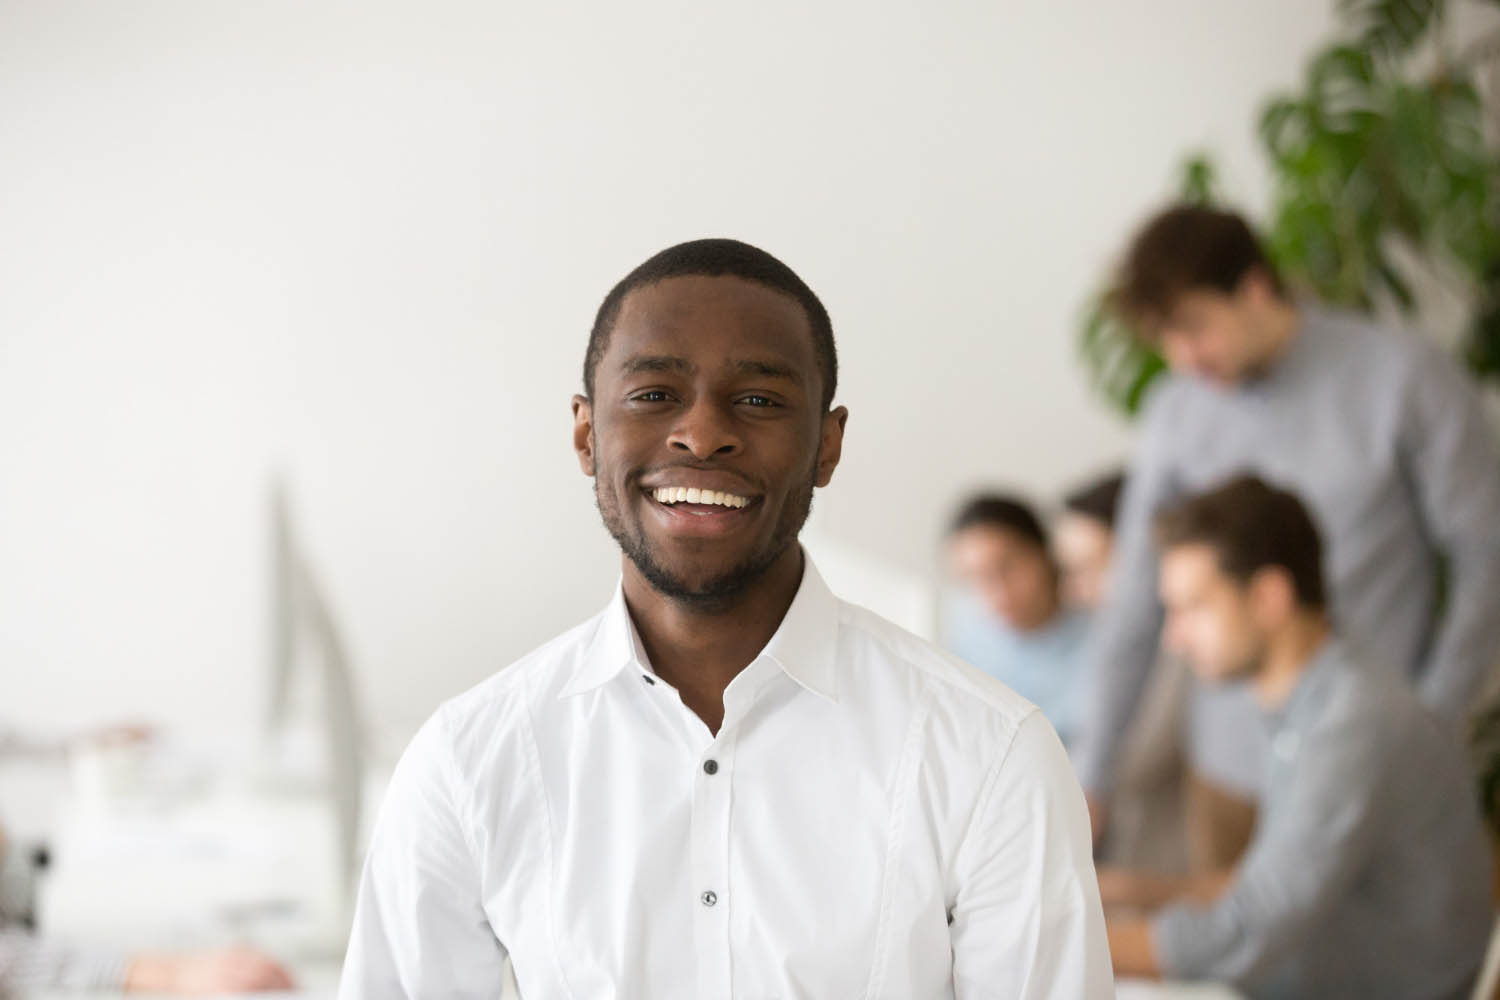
(321, 983)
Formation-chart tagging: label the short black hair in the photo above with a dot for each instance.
(716, 258)
(1251, 525)
(1010, 513)
(1097, 499)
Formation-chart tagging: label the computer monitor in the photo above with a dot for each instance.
(308, 654)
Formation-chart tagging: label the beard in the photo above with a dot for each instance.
(717, 593)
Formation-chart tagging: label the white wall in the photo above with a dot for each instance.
(362, 244)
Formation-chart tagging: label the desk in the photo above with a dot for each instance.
(1140, 989)
(261, 874)
(317, 981)
(320, 982)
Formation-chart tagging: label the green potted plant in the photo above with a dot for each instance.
(1373, 163)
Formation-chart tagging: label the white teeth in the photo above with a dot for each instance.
(691, 494)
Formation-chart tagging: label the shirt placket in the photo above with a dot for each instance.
(713, 792)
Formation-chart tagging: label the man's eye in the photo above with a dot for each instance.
(758, 400)
(650, 396)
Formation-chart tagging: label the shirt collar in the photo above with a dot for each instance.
(804, 646)
(613, 646)
(806, 643)
(1292, 360)
(1306, 694)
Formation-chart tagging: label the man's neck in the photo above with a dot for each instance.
(1282, 326)
(1289, 655)
(699, 651)
(1046, 616)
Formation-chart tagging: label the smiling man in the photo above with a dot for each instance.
(729, 783)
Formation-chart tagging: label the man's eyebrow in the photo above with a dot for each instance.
(657, 363)
(682, 366)
(766, 369)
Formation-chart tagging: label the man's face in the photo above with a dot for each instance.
(709, 385)
(1215, 336)
(1010, 574)
(1084, 546)
(1211, 620)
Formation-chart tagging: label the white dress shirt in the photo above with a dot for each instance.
(874, 818)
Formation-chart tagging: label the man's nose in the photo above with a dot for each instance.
(706, 430)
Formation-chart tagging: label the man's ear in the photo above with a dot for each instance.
(831, 444)
(1255, 286)
(1273, 596)
(583, 433)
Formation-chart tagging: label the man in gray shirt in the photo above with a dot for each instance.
(1379, 432)
(1369, 872)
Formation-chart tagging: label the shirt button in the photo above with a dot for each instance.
(710, 898)
(710, 767)
(648, 678)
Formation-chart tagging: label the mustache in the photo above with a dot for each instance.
(666, 468)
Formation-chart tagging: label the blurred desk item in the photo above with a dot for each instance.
(260, 869)
(315, 735)
(317, 981)
(1141, 989)
(321, 983)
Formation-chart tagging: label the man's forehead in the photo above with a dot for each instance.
(736, 321)
(1190, 565)
(697, 295)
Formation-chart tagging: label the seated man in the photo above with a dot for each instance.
(1368, 874)
(1011, 620)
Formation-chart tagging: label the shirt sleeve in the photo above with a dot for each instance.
(1026, 921)
(1123, 646)
(1301, 863)
(420, 929)
(1454, 467)
(30, 963)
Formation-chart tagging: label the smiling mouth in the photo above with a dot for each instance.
(672, 496)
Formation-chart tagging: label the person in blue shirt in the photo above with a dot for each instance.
(1008, 617)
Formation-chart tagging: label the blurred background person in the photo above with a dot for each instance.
(1009, 617)
(1084, 539)
(1369, 872)
(1146, 807)
(1377, 429)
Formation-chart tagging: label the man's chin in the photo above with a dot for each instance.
(698, 582)
(1232, 677)
(688, 577)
